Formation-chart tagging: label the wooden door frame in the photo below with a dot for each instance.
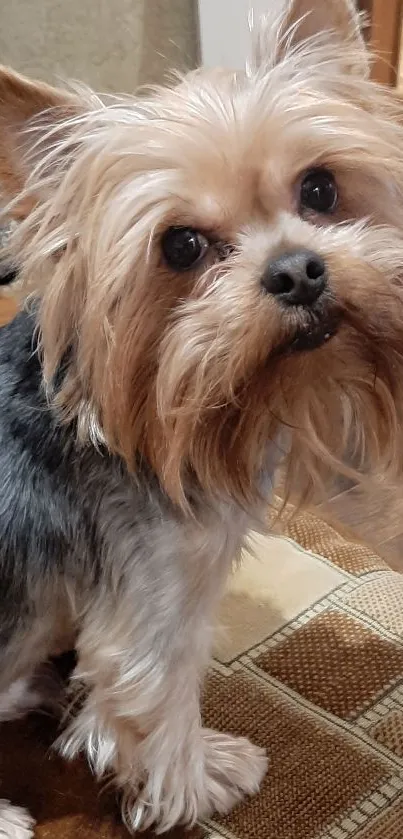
(384, 36)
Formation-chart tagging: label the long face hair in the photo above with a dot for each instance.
(193, 366)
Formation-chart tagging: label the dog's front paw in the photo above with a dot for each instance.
(234, 768)
(216, 774)
(15, 823)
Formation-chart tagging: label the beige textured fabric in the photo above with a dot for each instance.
(319, 683)
(113, 46)
(311, 667)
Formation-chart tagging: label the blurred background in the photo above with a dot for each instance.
(116, 45)
(112, 45)
(385, 36)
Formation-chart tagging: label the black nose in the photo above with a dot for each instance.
(297, 277)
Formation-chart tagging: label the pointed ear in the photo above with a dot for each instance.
(291, 22)
(22, 101)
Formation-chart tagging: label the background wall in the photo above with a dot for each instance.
(224, 31)
(113, 45)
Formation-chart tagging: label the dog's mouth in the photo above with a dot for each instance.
(312, 327)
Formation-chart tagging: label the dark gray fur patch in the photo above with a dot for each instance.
(53, 492)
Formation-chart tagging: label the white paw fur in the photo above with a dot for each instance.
(214, 781)
(15, 822)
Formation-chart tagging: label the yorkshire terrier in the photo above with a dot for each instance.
(209, 266)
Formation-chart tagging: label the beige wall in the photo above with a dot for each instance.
(113, 45)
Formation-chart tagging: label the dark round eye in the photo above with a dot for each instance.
(183, 247)
(318, 191)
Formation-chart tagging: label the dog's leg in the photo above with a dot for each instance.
(22, 696)
(15, 822)
(19, 699)
(25, 685)
(44, 688)
(142, 662)
(142, 718)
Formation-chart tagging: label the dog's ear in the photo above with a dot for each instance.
(289, 23)
(21, 102)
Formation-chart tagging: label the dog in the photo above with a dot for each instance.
(214, 281)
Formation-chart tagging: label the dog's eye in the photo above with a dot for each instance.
(183, 247)
(318, 191)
